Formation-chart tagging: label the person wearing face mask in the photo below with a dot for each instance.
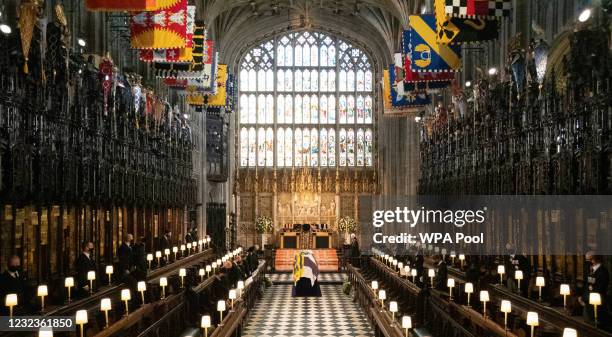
(514, 262)
(85, 262)
(597, 282)
(125, 255)
(12, 281)
(164, 242)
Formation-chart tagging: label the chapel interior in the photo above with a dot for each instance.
(196, 168)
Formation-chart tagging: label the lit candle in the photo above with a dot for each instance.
(219, 263)
(45, 332)
(406, 323)
(167, 254)
(518, 276)
(126, 295)
(142, 287)
(205, 324)
(69, 283)
(202, 273)
(484, 298)
(595, 301)
(393, 310)
(469, 290)
(163, 282)
(189, 248)
(432, 274)
(10, 300)
(208, 269)
(413, 273)
(564, 290)
(221, 309)
(450, 283)
(382, 296)
(532, 321)
(81, 319)
(506, 308)
(105, 306)
(400, 267)
(109, 272)
(567, 332)
(407, 271)
(501, 270)
(540, 283)
(214, 266)
(232, 297)
(174, 251)
(42, 292)
(240, 286)
(374, 286)
(194, 245)
(91, 276)
(462, 259)
(158, 257)
(149, 259)
(182, 274)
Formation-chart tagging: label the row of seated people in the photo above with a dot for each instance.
(305, 227)
(131, 265)
(482, 271)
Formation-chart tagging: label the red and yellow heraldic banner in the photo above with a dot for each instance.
(129, 5)
(160, 29)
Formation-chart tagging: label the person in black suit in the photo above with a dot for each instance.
(441, 274)
(85, 262)
(355, 251)
(188, 238)
(514, 262)
(164, 241)
(126, 256)
(12, 281)
(598, 282)
(139, 255)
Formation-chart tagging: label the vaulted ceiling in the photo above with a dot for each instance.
(374, 25)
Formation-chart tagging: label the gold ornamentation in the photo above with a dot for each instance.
(28, 14)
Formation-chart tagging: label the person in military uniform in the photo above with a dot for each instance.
(597, 282)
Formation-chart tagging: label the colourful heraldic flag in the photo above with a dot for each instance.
(219, 99)
(472, 8)
(181, 55)
(202, 66)
(160, 29)
(129, 5)
(397, 101)
(453, 30)
(426, 54)
(305, 266)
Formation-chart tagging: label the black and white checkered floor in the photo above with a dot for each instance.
(334, 314)
(324, 278)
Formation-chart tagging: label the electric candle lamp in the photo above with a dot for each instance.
(193, 245)
(469, 290)
(506, 308)
(202, 273)
(374, 286)
(10, 301)
(453, 255)
(149, 259)
(564, 290)
(432, 274)
(42, 292)
(400, 266)
(91, 276)
(413, 273)
(462, 259)
(174, 251)
(232, 297)
(142, 287)
(208, 241)
(219, 264)
(484, 298)
(45, 332)
(406, 323)
(540, 282)
(532, 321)
(189, 248)
(595, 301)
(167, 254)
(200, 243)
(182, 274)
(501, 270)
(223, 259)
(518, 276)
(395, 264)
(158, 257)
(567, 332)
(163, 282)
(205, 324)
(406, 271)
(221, 309)
(182, 250)
(126, 295)
(69, 283)
(105, 306)
(382, 296)
(450, 283)
(109, 272)
(81, 319)
(240, 286)
(208, 269)
(393, 310)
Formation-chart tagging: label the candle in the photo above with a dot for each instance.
(81, 319)
(163, 282)
(532, 321)
(149, 259)
(393, 310)
(240, 286)
(221, 309)
(462, 259)
(69, 283)
(45, 332)
(189, 248)
(158, 257)
(374, 286)
(126, 295)
(518, 276)
(105, 306)
(540, 283)
(202, 273)
(469, 290)
(406, 323)
(484, 298)
(432, 274)
(407, 271)
(142, 287)
(232, 297)
(174, 251)
(10, 301)
(506, 308)
(167, 253)
(208, 269)
(564, 290)
(182, 274)
(595, 301)
(567, 332)
(91, 276)
(501, 270)
(382, 296)
(413, 273)
(450, 283)
(205, 323)
(109, 272)
(42, 292)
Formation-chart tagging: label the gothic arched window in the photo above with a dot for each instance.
(299, 91)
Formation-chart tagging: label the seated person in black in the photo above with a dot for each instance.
(85, 263)
(12, 281)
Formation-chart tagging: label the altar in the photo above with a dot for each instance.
(305, 236)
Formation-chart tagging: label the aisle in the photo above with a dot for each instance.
(332, 315)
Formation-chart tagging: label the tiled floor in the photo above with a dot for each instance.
(332, 315)
(324, 278)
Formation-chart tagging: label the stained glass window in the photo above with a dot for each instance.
(306, 100)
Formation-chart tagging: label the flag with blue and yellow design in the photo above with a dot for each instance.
(426, 53)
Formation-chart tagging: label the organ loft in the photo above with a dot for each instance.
(320, 168)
